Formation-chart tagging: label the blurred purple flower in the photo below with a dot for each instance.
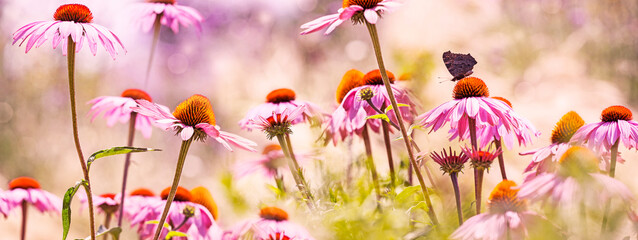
(171, 13)
(26, 189)
(278, 101)
(272, 224)
(271, 160)
(119, 109)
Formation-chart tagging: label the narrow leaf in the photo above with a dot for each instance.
(407, 192)
(66, 208)
(172, 234)
(116, 151)
(157, 222)
(379, 116)
(398, 105)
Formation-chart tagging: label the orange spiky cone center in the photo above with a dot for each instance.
(363, 3)
(470, 87)
(615, 113)
(182, 194)
(270, 148)
(108, 195)
(281, 95)
(195, 110)
(504, 198)
(142, 192)
(24, 183)
(566, 127)
(136, 94)
(202, 196)
(73, 13)
(273, 213)
(349, 81)
(503, 100)
(374, 78)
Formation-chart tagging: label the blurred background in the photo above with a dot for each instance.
(546, 56)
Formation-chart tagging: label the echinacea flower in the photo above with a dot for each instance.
(357, 10)
(471, 101)
(193, 118)
(170, 13)
(184, 213)
(139, 209)
(481, 160)
(26, 189)
(576, 180)
(119, 109)
(70, 20)
(272, 224)
(371, 97)
(507, 217)
(279, 100)
(277, 123)
(271, 160)
(452, 164)
(545, 159)
(616, 126)
(338, 126)
(107, 203)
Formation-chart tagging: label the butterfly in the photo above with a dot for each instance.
(458, 64)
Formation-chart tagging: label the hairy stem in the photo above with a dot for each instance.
(23, 228)
(156, 32)
(457, 196)
(76, 138)
(501, 160)
(296, 171)
(372, 29)
(178, 173)
(370, 160)
(127, 163)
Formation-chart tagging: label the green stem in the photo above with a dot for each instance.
(76, 138)
(23, 229)
(501, 160)
(295, 171)
(457, 196)
(370, 161)
(612, 173)
(127, 163)
(156, 31)
(178, 173)
(372, 29)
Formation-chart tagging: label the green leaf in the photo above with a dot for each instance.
(398, 105)
(66, 208)
(420, 205)
(172, 234)
(407, 192)
(102, 231)
(379, 116)
(157, 222)
(116, 151)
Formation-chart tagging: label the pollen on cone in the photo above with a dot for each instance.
(566, 127)
(273, 213)
(195, 110)
(24, 183)
(202, 196)
(470, 87)
(182, 194)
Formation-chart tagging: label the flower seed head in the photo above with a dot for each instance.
(450, 162)
(136, 94)
(182, 194)
(481, 159)
(615, 113)
(73, 13)
(566, 127)
(281, 95)
(470, 87)
(273, 213)
(374, 78)
(350, 80)
(504, 198)
(195, 110)
(24, 183)
(366, 94)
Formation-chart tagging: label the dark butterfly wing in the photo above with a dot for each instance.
(459, 65)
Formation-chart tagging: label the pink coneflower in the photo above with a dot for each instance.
(193, 118)
(24, 191)
(371, 97)
(471, 104)
(452, 164)
(170, 14)
(139, 209)
(575, 180)
(545, 159)
(273, 224)
(70, 20)
(279, 100)
(272, 159)
(107, 203)
(507, 218)
(338, 126)
(616, 126)
(481, 161)
(357, 10)
(277, 123)
(119, 109)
